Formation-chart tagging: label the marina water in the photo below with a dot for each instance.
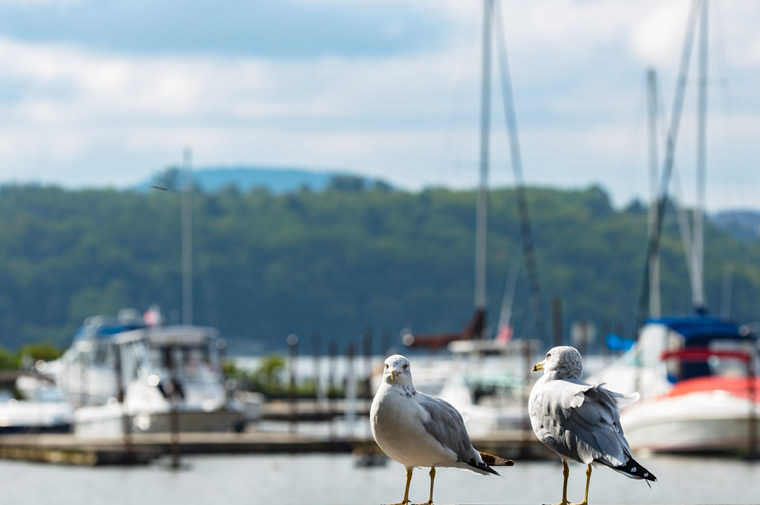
(337, 480)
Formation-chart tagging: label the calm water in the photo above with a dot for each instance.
(335, 480)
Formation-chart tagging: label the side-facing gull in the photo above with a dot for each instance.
(416, 429)
(580, 421)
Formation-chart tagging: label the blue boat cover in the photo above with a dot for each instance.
(106, 330)
(699, 329)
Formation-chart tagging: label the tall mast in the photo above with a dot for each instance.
(654, 260)
(510, 118)
(187, 238)
(482, 204)
(667, 169)
(699, 208)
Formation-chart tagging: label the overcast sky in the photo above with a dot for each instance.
(103, 92)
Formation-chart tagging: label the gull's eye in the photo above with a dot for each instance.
(386, 366)
(406, 367)
(548, 355)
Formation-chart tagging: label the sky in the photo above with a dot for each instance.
(107, 93)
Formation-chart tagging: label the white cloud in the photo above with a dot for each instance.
(657, 37)
(80, 116)
(39, 3)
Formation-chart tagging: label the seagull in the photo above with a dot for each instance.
(580, 421)
(418, 430)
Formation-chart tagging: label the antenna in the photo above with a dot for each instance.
(187, 238)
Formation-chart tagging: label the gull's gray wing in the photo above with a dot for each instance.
(582, 422)
(446, 425)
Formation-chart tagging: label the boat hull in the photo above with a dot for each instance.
(109, 422)
(23, 416)
(694, 423)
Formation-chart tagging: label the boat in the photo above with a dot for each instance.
(85, 373)
(168, 378)
(41, 408)
(488, 381)
(698, 380)
(130, 367)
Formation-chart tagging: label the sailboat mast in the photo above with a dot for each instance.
(654, 260)
(699, 208)
(187, 239)
(526, 234)
(667, 169)
(485, 123)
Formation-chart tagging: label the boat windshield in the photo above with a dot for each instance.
(730, 367)
(720, 358)
(194, 362)
(48, 395)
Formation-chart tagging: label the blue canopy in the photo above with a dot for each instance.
(105, 330)
(698, 329)
(617, 343)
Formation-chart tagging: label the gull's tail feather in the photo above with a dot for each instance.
(486, 461)
(492, 460)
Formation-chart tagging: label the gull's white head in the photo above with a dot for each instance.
(564, 361)
(397, 370)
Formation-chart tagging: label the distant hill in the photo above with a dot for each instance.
(276, 180)
(744, 224)
(338, 261)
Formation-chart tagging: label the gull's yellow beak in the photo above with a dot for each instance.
(394, 373)
(538, 366)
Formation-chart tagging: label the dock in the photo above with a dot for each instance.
(145, 448)
(311, 410)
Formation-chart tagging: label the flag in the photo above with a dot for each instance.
(505, 333)
(152, 316)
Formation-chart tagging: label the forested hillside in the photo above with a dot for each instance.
(334, 261)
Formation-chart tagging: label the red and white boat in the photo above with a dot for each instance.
(697, 379)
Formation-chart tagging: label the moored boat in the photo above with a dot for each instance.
(169, 379)
(697, 380)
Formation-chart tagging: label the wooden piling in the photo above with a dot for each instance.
(126, 423)
(367, 348)
(293, 353)
(173, 413)
(752, 436)
(557, 320)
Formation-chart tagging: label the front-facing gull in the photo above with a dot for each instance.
(580, 421)
(416, 429)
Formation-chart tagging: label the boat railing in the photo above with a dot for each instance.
(703, 353)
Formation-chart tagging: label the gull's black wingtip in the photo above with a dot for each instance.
(635, 470)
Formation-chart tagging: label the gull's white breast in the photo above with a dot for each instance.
(397, 422)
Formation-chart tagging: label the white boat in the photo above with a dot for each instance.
(170, 380)
(696, 375)
(42, 410)
(489, 402)
(85, 373)
(487, 381)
